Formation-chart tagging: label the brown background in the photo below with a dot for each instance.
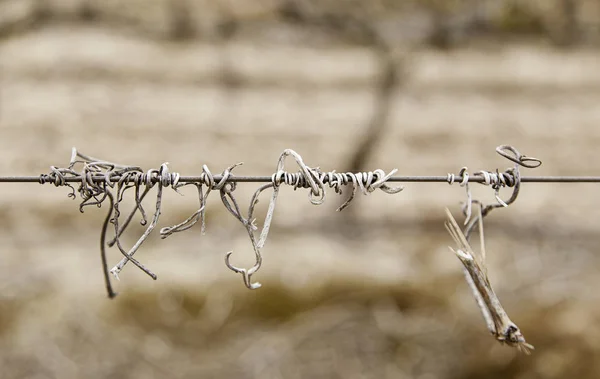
(370, 292)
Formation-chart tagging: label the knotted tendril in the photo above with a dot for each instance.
(100, 180)
(309, 178)
(207, 179)
(511, 178)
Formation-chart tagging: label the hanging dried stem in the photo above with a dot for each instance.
(496, 318)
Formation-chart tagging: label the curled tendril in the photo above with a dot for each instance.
(511, 178)
(316, 180)
(510, 153)
(307, 177)
(231, 204)
(100, 180)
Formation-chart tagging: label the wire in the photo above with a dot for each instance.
(101, 181)
(268, 179)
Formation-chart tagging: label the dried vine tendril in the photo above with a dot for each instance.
(475, 271)
(100, 180)
(309, 178)
(497, 180)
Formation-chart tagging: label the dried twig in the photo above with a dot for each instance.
(498, 322)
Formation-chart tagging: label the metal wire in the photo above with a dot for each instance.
(99, 181)
(267, 179)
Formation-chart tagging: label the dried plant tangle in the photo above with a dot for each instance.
(101, 180)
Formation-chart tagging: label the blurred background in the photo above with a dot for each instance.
(371, 292)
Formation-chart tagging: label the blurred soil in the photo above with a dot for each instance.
(369, 292)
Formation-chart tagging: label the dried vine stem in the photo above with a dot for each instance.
(511, 178)
(475, 270)
(496, 318)
(100, 180)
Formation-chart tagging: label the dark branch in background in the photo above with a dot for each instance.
(569, 34)
(441, 36)
(360, 31)
(388, 81)
(86, 11)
